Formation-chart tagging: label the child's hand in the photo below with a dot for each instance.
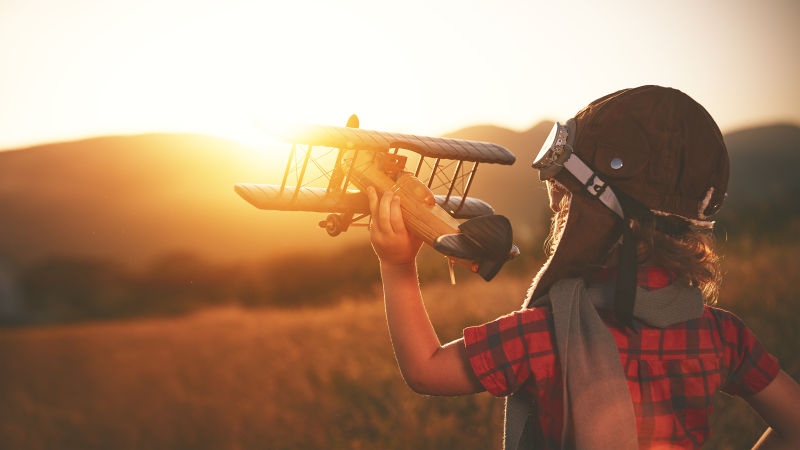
(392, 242)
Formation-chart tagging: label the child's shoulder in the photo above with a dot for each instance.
(722, 317)
(730, 328)
(540, 316)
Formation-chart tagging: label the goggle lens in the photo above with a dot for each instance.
(546, 147)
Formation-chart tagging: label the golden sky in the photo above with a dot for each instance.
(91, 67)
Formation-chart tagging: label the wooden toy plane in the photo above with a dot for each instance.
(341, 157)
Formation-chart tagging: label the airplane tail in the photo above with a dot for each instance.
(484, 239)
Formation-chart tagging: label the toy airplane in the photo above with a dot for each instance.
(372, 158)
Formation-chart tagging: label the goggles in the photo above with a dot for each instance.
(557, 154)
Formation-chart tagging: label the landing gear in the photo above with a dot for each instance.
(334, 224)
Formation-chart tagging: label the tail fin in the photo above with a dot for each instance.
(485, 239)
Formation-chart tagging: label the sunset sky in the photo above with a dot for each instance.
(81, 68)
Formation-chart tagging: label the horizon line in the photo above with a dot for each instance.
(78, 137)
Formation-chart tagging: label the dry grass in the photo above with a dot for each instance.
(307, 378)
(761, 287)
(231, 378)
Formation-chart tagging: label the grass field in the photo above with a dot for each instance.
(309, 378)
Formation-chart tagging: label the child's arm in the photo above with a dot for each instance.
(427, 366)
(779, 405)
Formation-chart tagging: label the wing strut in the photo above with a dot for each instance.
(302, 174)
(336, 176)
(455, 179)
(433, 172)
(350, 169)
(288, 166)
(469, 183)
(419, 166)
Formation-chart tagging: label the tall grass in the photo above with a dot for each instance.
(312, 377)
(761, 287)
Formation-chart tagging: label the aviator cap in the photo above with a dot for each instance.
(658, 146)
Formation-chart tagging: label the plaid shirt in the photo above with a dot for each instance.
(672, 372)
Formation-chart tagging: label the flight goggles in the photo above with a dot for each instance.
(557, 154)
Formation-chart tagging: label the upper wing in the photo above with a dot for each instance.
(267, 196)
(435, 147)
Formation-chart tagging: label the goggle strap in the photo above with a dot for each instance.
(595, 186)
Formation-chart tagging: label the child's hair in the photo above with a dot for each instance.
(682, 248)
(668, 242)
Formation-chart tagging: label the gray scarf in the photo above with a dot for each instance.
(598, 411)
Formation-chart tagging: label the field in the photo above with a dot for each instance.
(310, 378)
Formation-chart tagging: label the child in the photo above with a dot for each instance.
(614, 347)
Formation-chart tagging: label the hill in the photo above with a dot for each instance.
(128, 226)
(762, 191)
(131, 198)
(764, 161)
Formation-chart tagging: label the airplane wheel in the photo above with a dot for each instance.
(333, 225)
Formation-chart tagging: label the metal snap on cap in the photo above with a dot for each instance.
(616, 163)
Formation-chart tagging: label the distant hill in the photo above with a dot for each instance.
(764, 161)
(131, 198)
(762, 193)
(764, 188)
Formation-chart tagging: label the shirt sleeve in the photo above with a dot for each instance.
(506, 352)
(750, 367)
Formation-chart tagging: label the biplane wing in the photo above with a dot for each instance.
(270, 197)
(432, 147)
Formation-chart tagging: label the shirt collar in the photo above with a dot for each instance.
(646, 277)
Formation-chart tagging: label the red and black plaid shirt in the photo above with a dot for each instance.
(672, 372)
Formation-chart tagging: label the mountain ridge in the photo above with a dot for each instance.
(133, 197)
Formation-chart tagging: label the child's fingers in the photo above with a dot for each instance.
(372, 198)
(384, 213)
(373, 201)
(396, 216)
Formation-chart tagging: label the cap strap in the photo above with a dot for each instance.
(625, 290)
(595, 186)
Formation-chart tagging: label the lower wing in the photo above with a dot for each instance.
(269, 196)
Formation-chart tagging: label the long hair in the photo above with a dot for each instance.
(682, 248)
(663, 241)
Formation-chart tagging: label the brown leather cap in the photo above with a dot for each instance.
(672, 155)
